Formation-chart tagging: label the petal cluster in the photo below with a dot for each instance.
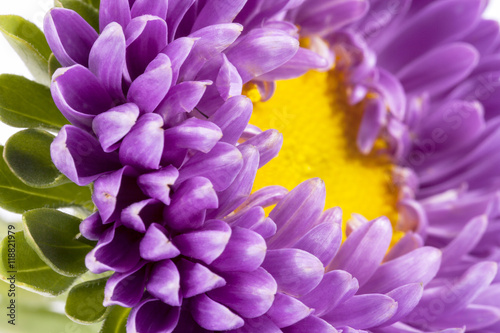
(156, 112)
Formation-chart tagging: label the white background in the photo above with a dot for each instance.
(34, 11)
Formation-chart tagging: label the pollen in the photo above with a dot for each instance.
(319, 129)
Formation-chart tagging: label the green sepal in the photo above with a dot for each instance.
(55, 237)
(85, 9)
(29, 271)
(24, 103)
(27, 153)
(53, 64)
(30, 44)
(116, 321)
(84, 303)
(17, 197)
(94, 3)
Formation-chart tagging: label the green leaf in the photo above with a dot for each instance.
(17, 197)
(85, 9)
(53, 235)
(53, 64)
(27, 153)
(84, 303)
(39, 320)
(30, 44)
(24, 103)
(37, 308)
(95, 3)
(29, 270)
(116, 321)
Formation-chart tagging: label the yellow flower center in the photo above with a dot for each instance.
(319, 129)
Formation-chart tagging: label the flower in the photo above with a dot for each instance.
(160, 126)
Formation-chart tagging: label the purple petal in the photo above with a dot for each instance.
(419, 266)
(465, 242)
(158, 184)
(287, 310)
(228, 80)
(268, 143)
(221, 166)
(78, 155)
(296, 272)
(265, 197)
(114, 11)
(143, 146)
(241, 187)
(193, 133)
(445, 67)
(334, 289)
(255, 219)
(176, 12)
(448, 25)
(214, 316)
(117, 250)
(164, 283)
(297, 212)
(178, 51)
(156, 245)
(181, 99)
(115, 191)
(146, 7)
(197, 279)
(408, 243)
(484, 36)
(393, 92)
(232, 118)
(474, 317)
(126, 289)
(362, 311)
(250, 294)
(262, 324)
(92, 227)
(261, 51)
(69, 36)
(310, 324)
(322, 241)
(454, 124)
(244, 252)
(78, 95)
(302, 62)
(146, 38)
(189, 204)
(217, 12)
(152, 316)
(459, 294)
(371, 124)
(205, 244)
(111, 126)
(107, 59)
(149, 89)
(364, 249)
(139, 215)
(407, 297)
(212, 40)
(322, 18)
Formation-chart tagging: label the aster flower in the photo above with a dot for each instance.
(160, 127)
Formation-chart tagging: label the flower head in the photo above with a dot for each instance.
(160, 127)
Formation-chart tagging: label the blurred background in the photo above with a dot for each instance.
(36, 313)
